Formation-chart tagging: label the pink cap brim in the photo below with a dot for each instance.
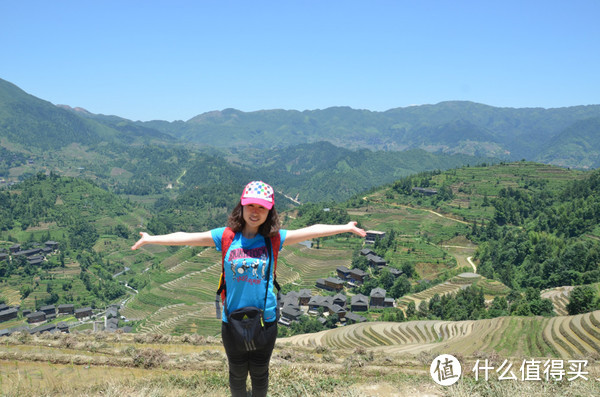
(267, 204)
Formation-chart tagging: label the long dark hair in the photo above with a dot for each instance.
(269, 228)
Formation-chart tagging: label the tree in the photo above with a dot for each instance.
(400, 288)
(582, 300)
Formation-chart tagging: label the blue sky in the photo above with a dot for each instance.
(172, 60)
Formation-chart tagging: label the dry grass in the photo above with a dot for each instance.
(104, 364)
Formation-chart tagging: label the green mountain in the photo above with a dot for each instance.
(449, 127)
(33, 123)
(578, 146)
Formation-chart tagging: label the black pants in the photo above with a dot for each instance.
(255, 362)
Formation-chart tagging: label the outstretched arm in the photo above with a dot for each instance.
(314, 231)
(178, 238)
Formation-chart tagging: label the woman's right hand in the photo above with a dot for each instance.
(142, 241)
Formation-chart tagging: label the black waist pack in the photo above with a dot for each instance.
(248, 328)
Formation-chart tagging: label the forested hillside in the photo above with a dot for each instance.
(449, 127)
(82, 218)
(535, 227)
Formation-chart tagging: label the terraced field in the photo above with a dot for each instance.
(181, 300)
(559, 297)
(490, 288)
(563, 336)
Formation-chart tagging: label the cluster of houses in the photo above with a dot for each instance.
(45, 313)
(35, 256)
(295, 304)
(50, 312)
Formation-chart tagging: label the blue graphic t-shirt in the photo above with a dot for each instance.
(246, 264)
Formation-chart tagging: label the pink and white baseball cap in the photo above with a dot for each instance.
(258, 192)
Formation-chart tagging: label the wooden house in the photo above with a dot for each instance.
(353, 318)
(343, 272)
(51, 244)
(316, 302)
(377, 297)
(376, 261)
(49, 309)
(373, 235)
(83, 312)
(330, 284)
(359, 303)
(291, 313)
(304, 296)
(366, 251)
(36, 317)
(340, 300)
(51, 328)
(8, 314)
(337, 309)
(66, 308)
(357, 276)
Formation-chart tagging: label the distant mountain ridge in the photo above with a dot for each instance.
(449, 127)
(561, 136)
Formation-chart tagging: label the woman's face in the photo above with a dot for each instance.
(254, 215)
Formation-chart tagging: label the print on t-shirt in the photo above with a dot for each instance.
(248, 265)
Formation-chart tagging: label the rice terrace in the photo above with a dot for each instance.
(175, 348)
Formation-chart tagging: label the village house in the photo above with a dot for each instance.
(8, 314)
(36, 260)
(316, 302)
(28, 253)
(389, 302)
(343, 272)
(366, 251)
(112, 311)
(393, 271)
(359, 303)
(83, 312)
(340, 300)
(36, 317)
(4, 257)
(304, 296)
(43, 328)
(291, 298)
(15, 248)
(66, 308)
(424, 191)
(63, 327)
(49, 309)
(373, 235)
(111, 324)
(377, 298)
(330, 284)
(52, 245)
(358, 276)
(353, 318)
(337, 309)
(376, 261)
(290, 313)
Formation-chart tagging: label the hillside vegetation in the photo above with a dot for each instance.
(433, 238)
(451, 127)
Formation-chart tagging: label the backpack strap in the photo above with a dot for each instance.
(275, 244)
(226, 241)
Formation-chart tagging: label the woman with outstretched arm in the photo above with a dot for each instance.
(252, 227)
